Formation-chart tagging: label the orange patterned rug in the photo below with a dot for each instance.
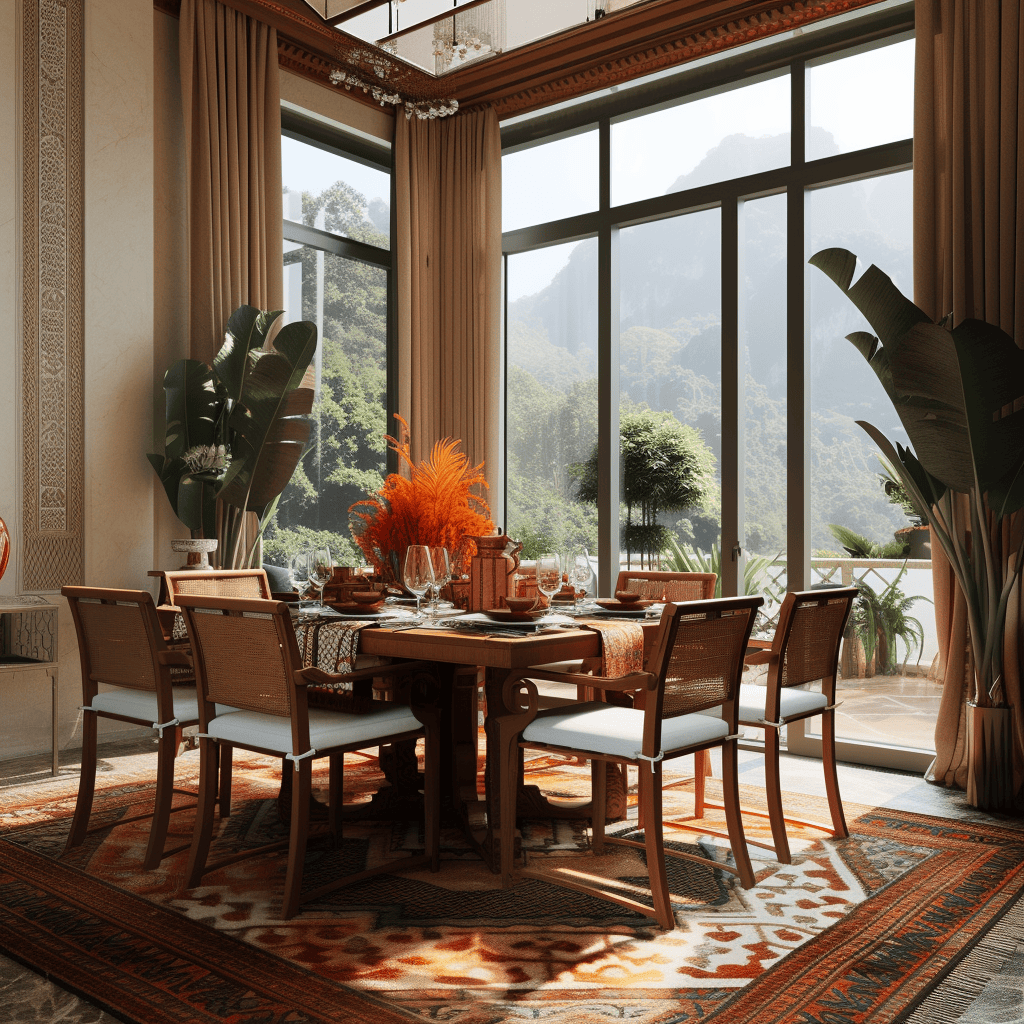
(854, 930)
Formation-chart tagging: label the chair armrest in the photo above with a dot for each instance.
(759, 656)
(634, 681)
(317, 677)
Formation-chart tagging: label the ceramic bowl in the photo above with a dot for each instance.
(520, 604)
(626, 596)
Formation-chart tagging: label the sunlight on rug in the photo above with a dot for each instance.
(857, 928)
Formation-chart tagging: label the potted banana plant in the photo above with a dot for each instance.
(959, 392)
(235, 431)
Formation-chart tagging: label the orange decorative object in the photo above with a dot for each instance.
(5, 547)
(434, 505)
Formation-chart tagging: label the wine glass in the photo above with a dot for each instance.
(298, 568)
(321, 568)
(581, 574)
(549, 575)
(418, 572)
(442, 566)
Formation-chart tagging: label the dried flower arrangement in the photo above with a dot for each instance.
(434, 505)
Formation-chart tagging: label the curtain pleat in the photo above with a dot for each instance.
(448, 182)
(969, 261)
(232, 112)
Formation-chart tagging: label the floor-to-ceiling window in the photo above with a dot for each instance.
(657, 281)
(337, 266)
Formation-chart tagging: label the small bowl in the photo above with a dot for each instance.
(520, 604)
(366, 596)
(626, 596)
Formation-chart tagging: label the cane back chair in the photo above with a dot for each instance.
(246, 656)
(696, 667)
(805, 649)
(121, 644)
(668, 586)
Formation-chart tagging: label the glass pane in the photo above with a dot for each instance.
(890, 701)
(327, 191)
(762, 319)
(346, 457)
(551, 395)
(863, 100)
(548, 182)
(670, 390)
(715, 138)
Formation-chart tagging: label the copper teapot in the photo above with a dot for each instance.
(491, 571)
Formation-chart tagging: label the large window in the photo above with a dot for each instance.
(337, 263)
(683, 303)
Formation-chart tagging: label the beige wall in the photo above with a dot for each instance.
(135, 313)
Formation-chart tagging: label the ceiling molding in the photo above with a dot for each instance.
(628, 44)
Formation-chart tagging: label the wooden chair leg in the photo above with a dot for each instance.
(335, 795)
(828, 761)
(432, 796)
(598, 802)
(225, 779)
(773, 788)
(649, 795)
(510, 756)
(86, 783)
(733, 817)
(701, 770)
(167, 751)
(202, 834)
(301, 792)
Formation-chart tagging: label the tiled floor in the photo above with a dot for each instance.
(27, 998)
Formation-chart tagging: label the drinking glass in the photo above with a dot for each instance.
(549, 575)
(442, 566)
(321, 568)
(298, 567)
(581, 575)
(418, 572)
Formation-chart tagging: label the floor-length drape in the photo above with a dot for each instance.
(448, 184)
(969, 261)
(232, 112)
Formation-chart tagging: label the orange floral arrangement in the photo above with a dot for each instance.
(434, 505)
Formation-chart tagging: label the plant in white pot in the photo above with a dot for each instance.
(235, 431)
(959, 392)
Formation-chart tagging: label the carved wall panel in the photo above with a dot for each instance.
(53, 257)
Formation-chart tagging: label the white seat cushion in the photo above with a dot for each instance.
(141, 704)
(327, 729)
(605, 729)
(791, 702)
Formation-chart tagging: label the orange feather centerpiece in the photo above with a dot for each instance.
(434, 505)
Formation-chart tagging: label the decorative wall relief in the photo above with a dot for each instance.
(53, 257)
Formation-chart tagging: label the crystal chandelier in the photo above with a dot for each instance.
(469, 33)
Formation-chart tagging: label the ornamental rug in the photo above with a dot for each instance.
(858, 929)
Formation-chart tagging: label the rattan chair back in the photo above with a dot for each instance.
(702, 661)
(246, 583)
(118, 636)
(668, 586)
(244, 651)
(810, 631)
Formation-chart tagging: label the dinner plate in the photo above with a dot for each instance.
(617, 613)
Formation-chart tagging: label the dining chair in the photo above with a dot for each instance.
(246, 656)
(804, 650)
(668, 586)
(122, 647)
(695, 667)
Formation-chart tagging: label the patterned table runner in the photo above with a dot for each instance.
(622, 646)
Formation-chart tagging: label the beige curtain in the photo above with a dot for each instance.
(448, 182)
(232, 111)
(969, 260)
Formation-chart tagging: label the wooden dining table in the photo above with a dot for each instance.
(497, 656)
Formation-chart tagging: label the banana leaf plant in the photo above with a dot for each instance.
(959, 392)
(236, 431)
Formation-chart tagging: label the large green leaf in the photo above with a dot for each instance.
(247, 330)
(948, 387)
(269, 429)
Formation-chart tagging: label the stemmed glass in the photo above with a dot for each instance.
(581, 575)
(321, 568)
(549, 575)
(418, 572)
(442, 566)
(298, 567)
